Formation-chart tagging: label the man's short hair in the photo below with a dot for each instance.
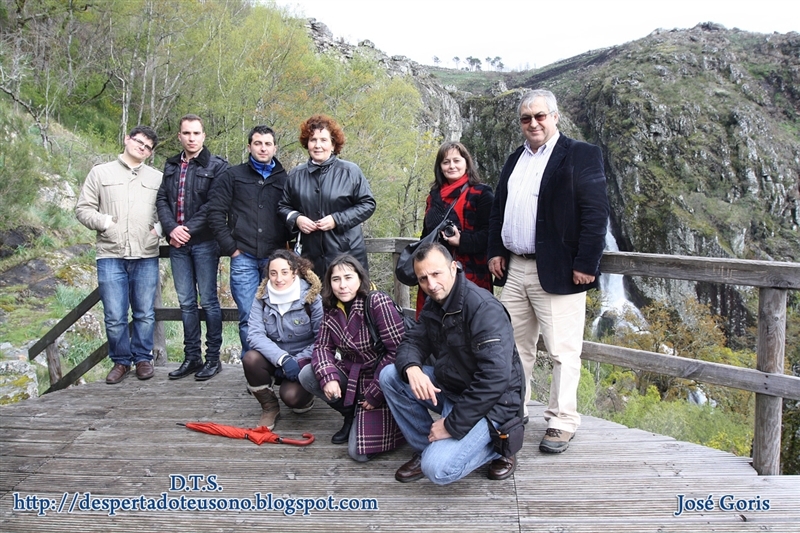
(425, 248)
(261, 129)
(530, 96)
(190, 118)
(147, 132)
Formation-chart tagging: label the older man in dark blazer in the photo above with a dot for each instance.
(546, 237)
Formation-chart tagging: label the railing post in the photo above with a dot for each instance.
(53, 362)
(769, 358)
(159, 339)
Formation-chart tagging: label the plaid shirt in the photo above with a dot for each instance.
(182, 187)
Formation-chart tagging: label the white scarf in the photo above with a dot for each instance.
(284, 299)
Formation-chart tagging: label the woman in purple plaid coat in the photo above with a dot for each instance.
(345, 365)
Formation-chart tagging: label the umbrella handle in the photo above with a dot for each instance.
(308, 438)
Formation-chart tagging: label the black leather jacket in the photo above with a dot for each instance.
(337, 188)
(200, 176)
(477, 365)
(243, 211)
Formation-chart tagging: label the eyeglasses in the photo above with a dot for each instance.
(540, 117)
(142, 144)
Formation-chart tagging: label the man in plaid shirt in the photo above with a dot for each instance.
(182, 205)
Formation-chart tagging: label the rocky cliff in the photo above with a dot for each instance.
(700, 133)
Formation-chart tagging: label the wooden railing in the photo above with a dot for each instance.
(767, 380)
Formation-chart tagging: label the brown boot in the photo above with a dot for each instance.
(270, 409)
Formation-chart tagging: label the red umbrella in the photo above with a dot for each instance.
(259, 435)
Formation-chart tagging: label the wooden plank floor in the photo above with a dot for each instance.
(124, 441)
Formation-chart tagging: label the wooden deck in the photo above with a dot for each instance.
(125, 441)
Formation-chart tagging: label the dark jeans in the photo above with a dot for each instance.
(124, 284)
(194, 269)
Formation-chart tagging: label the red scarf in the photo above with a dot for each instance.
(452, 189)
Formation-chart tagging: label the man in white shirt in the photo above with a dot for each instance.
(546, 238)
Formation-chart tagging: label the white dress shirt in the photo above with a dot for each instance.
(519, 219)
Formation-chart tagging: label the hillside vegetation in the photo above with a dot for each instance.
(100, 68)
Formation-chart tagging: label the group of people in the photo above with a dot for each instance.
(308, 316)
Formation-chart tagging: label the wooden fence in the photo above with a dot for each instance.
(767, 380)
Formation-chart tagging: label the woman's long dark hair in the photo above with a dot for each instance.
(328, 298)
(473, 178)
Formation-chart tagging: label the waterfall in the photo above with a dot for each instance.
(614, 303)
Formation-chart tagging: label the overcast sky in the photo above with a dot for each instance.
(525, 33)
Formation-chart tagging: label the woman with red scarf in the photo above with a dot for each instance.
(457, 180)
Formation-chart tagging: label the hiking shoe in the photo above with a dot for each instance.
(555, 440)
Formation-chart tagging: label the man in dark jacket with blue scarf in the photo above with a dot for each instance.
(243, 214)
(182, 205)
(476, 376)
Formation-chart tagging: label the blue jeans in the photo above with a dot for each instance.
(194, 269)
(443, 461)
(246, 274)
(128, 283)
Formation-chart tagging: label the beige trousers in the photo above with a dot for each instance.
(560, 319)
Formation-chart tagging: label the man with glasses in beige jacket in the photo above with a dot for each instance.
(118, 201)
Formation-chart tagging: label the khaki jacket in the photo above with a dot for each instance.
(119, 203)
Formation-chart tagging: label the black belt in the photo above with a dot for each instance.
(527, 256)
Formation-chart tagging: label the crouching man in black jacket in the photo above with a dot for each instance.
(477, 374)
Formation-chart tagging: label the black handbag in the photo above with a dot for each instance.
(404, 270)
(507, 439)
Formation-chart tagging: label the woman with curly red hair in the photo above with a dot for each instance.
(326, 199)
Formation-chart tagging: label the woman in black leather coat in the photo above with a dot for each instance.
(326, 199)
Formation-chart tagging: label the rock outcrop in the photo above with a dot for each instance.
(17, 381)
(441, 113)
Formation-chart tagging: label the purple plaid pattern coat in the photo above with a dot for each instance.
(376, 430)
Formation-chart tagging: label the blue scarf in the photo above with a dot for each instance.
(265, 169)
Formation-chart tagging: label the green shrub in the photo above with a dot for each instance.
(682, 420)
(68, 297)
(19, 179)
(587, 393)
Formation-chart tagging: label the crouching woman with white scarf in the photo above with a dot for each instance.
(284, 321)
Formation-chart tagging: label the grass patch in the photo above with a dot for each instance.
(470, 81)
